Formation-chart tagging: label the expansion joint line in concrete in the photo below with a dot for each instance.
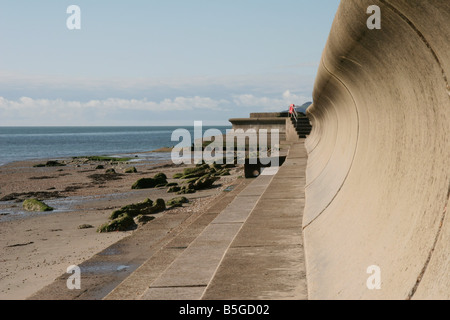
(422, 37)
(335, 139)
(265, 246)
(179, 286)
(234, 237)
(356, 144)
(430, 255)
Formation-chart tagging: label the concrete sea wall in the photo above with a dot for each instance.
(378, 175)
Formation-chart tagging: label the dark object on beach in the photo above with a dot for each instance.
(134, 209)
(177, 202)
(122, 223)
(145, 183)
(253, 170)
(36, 206)
(102, 158)
(195, 171)
(54, 164)
(173, 184)
(85, 226)
(204, 182)
(41, 178)
(223, 172)
(102, 178)
(158, 180)
(20, 245)
(200, 171)
(44, 195)
(159, 206)
(186, 190)
(110, 171)
(143, 208)
(99, 167)
(142, 219)
(50, 163)
(131, 170)
(160, 176)
(123, 219)
(173, 189)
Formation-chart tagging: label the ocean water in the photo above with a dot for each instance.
(27, 143)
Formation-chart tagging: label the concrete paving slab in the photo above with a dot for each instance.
(238, 210)
(196, 266)
(276, 223)
(135, 285)
(266, 258)
(175, 293)
(279, 189)
(198, 263)
(256, 273)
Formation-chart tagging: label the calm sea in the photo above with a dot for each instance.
(25, 143)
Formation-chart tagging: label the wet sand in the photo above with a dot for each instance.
(36, 248)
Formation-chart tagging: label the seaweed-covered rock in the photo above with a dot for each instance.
(122, 223)
(159, 179)
(142, 219)
(131, 170)
(160, 176)
(145, 183)
(196, 174)
(178, 175)
(195, 171)
(134, 209)
(51, 163)
(173, 184)
(99, 167)
(186, 190)
(204, 182)
(173, 189)
(159, 206)
(223, 172)
(177, 201)
(36, 206)
(143, 208)
(110, 171)
(85, 226)
(161, 185)
(216, 166)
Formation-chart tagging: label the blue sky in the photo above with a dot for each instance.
(165, 62)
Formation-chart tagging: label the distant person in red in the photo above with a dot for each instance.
(291, 109)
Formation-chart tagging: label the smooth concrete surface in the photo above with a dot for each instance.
(291, 132)
(261, 123)
(266, 259)
(189, 274)
(378, 178)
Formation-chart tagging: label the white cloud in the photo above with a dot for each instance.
(29, 111)
(176, 104)
(270, 104)
(15, 85)
(118, 111)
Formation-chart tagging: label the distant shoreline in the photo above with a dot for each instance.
(40, 143)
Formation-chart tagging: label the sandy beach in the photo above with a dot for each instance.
(38, 247)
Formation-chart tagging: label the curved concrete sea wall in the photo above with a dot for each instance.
(376, 223)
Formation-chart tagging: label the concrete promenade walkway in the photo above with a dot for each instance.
(266, 260)
(252, 249)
